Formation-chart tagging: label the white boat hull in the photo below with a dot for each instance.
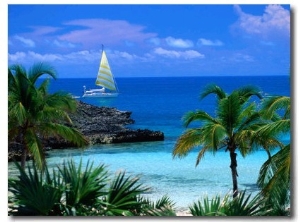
(102, 95)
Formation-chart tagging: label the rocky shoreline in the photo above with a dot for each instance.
(108, 125)
(100, 125)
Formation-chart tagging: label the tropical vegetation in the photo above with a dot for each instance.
(35, 114)
(275, 174)
(235, 116)
(239, 124)
(241, 205)
(75, 190)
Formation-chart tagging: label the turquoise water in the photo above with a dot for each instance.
(159, 104)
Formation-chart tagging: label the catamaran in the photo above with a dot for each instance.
(105, 80)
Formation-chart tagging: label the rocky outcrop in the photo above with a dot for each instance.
(108, 125)
(99, 125)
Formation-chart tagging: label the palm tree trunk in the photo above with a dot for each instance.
(234, 173)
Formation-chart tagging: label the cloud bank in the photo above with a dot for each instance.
(274, 21)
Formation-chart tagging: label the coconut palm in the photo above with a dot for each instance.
(235, 115)
(274, 175)
(34, 114)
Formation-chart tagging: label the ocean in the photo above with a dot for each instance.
(159, 103)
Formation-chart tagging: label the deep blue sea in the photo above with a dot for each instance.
(159, 104)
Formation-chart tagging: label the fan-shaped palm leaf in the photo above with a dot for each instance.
(34, 192)
(85, 186)
(123, 196)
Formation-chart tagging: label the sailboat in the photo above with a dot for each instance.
(105, 80)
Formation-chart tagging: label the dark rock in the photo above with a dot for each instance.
(91, 119)
(107, 125)
(127, 136)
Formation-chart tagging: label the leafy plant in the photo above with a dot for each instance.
(241, 205)
(34, 192)
(122, 197)
(83, 187)
(162, 207)
(74, 190)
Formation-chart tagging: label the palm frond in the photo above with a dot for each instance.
(207, 207)
(275, 128)
(39, 69)
(201, 154)
(213, 89)
(243, 205)
(190, 139)
(228, 112)
(34, 193)
(123, 196)
(246, 92)
(18, 114)
(273, 104)
(68, 133)
(51, 114)
(85, 186)
(35, 147)
(62, 101)
(201, 116)
(276, 170)
(213, 136)
(43, 87)
(162, 207)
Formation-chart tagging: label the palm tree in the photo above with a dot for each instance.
(274, 175)
(34, 114)
(235, 116)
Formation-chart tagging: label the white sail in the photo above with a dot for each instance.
(105, 79)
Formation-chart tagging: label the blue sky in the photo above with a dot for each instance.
(152, 40)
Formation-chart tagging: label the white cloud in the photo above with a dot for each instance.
(274, 21)
(208, 42)
(154, 41)
(63, 44)
(238, 57)
(179, 43)
(82, 56)
(26, 42)
(44, 57)
(78, 57)
(22, 57)
(188, 54)
(18, 56)
(124, 55)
